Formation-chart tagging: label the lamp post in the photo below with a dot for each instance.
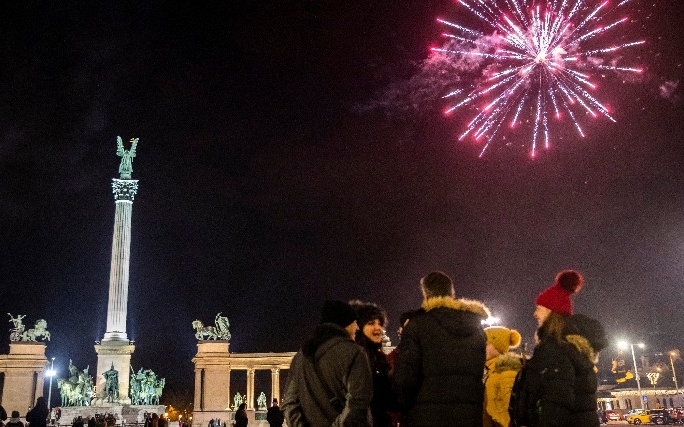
(674, 354)
(624, 344)
(50, 373)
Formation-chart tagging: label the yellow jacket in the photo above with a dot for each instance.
(498, 386)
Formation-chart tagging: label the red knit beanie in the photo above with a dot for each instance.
(558, 297)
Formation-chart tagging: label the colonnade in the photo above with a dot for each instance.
(213, 366)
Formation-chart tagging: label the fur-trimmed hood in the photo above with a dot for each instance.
(457, 304)
(582, 344)
(507, 362)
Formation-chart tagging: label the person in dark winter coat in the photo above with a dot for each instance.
(439, 365)
(557, 386)
(14, 421)
(330, 381)
(275, 416)
(37, 416)
(241, 416)
(372, 319)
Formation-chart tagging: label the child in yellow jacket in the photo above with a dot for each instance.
(501, 368)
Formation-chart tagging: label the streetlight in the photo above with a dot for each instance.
(623, 345)
(50, 373)
(674, 354)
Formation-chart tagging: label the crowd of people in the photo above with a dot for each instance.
(447, 369)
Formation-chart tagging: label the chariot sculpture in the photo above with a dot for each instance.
(218, 332)
(19, 332)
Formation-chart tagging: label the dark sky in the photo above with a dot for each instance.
(269, 181)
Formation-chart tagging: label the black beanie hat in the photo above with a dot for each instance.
(338, 312)
(368, 311)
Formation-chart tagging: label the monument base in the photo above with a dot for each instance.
(129, 414)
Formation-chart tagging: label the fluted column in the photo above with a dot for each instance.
(275, 384)
(117, 307)
(250, 388)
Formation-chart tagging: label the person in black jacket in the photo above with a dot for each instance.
(439, 365)
(330, 381)
(241, 416)
(557, 386)
(37, 416)
(372, 319)
(275, 416)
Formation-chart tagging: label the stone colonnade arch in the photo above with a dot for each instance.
(213, 365)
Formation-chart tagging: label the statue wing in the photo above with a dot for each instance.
(119, 147)
(134, 144)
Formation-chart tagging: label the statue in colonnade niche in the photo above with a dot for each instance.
(218, 332)
(261, 402)
(237, 401)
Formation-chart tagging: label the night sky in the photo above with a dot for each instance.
(294, 151)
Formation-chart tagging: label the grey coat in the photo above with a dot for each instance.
(330, 382)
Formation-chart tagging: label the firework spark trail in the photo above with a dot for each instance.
(526, 49)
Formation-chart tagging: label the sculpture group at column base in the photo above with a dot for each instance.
(129, 414)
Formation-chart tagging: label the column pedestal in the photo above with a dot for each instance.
(117, 353)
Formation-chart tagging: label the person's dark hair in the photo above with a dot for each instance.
(556, 325)
(407, 315)
(437, 284)
(242, 406)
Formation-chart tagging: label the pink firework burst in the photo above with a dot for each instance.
(536, 58)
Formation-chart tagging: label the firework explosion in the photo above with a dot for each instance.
(539, 57)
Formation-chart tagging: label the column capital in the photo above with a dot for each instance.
(124, 189)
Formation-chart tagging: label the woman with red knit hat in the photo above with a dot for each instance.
(557, 386)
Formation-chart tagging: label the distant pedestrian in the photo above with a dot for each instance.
(3, 415)
(14, 420)
(78, 422)
(557, 386)
(438, 369)
(274, 415)
(37, 416)
(92, 422)
(501, 369)
(241, 416)
(330, 382)
(372, 319)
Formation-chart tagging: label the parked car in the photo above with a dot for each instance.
(643, 416)
(613, 416)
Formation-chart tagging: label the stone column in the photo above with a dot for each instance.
(198, 404)
(115, 349)
(250, 388)
(117, 307)
(275, 385)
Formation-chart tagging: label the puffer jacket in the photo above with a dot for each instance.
(330, 382)
(501, 376)
(557, 386)
(438, 369)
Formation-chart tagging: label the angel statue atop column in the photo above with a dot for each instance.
(126, 166)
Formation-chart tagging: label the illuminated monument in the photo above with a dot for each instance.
(114, 350)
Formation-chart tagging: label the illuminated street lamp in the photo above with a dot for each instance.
(623, 345)
(674, 354)
(50, 373)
